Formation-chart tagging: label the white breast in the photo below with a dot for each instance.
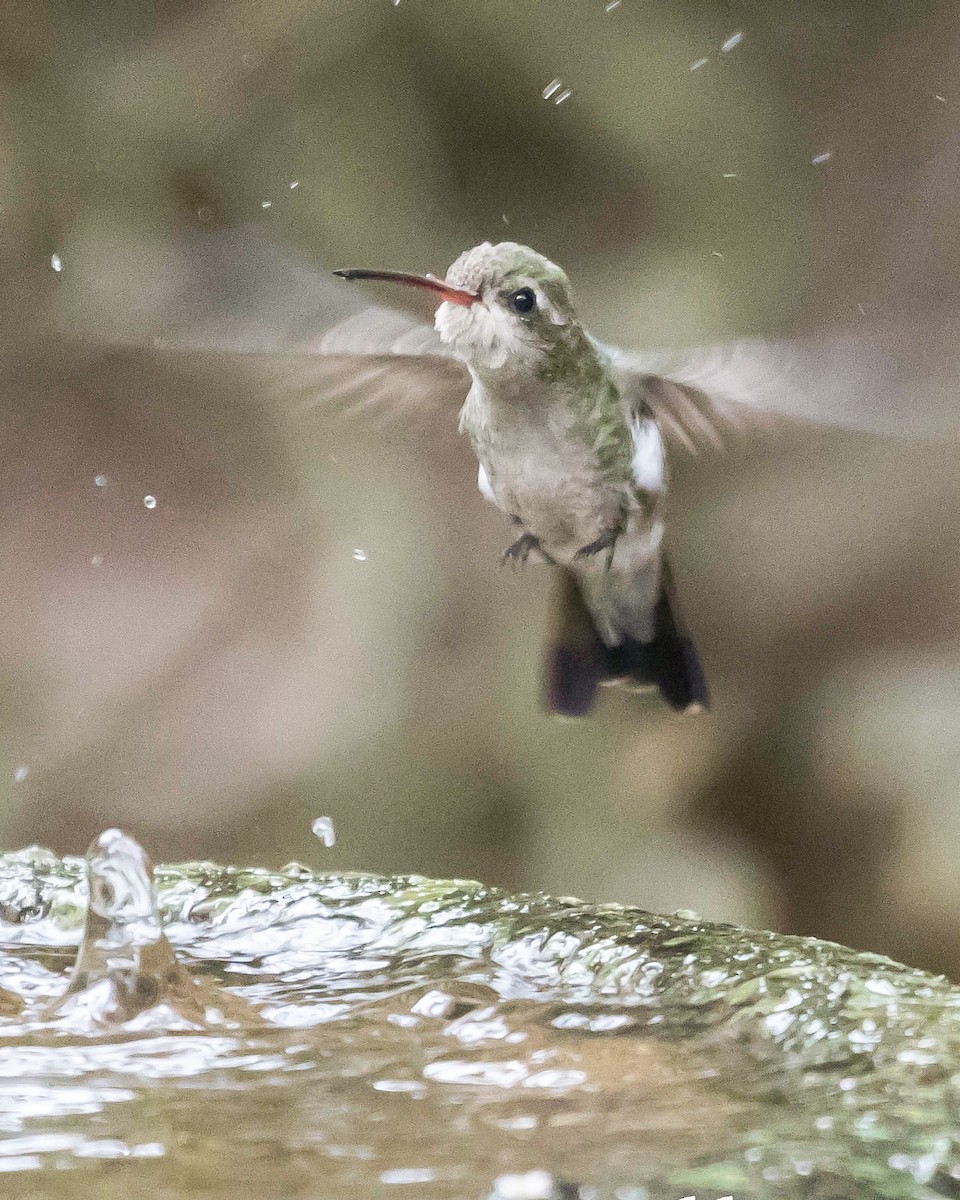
(648, 455)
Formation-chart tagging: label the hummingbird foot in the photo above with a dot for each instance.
(520, 551)
(606, 541)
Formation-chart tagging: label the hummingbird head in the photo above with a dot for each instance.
(523, 312)
(503, 306)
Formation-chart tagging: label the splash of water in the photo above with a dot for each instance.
(126, 973)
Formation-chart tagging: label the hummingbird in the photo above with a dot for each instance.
(569, 447)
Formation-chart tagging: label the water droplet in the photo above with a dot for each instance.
(359, 555)
(204, 213)
(20, 774)
(504, 218)
(266, 204)
(407, 1174)
(822, 157)
(701, 62)
(731, 174)
(564, 95)
(294, 183)
(323, 829)
(530, 1185)
(553, 86)
(56, 262)
(732, 42)
(149, 502)
(100, 480)
(612, 5)
(96, 560)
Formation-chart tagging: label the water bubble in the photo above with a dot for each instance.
(323, 829)
(20, 774)
(359, 555)
(56, 262)
(553, 86)
(732, 42)
(701, 62)
(149, 502)
(822, 157)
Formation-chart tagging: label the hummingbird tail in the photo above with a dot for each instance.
(580, 660)
(670, 662)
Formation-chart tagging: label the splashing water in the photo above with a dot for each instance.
(232, 1032)
(323, 829)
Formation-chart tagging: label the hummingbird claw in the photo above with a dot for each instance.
(519, 552)
(606, 541)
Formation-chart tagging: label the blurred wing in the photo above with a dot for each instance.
(414, 389)
(700, 397)
(316, 342)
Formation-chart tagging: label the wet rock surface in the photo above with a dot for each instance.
(212, 1031)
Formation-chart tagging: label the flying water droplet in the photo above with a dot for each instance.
(359, 555)
(553, 86)
(323, 829)
(56, 262)
(294, 183)
(149, 502)
(529, 1185)
(732, 42)
(613, 4)
(564, 95)
(96, 560)
(100, 480)
(822, 157)
(20, 774)
(266, 204)
(701, 62)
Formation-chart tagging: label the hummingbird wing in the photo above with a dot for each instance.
(316, 343)
(873, 383)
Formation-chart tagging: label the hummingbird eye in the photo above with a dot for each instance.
(522, 301)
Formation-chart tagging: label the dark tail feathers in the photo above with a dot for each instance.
(580, 662)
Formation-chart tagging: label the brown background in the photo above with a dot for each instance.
(218, 671)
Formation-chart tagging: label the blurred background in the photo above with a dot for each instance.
(221, 618)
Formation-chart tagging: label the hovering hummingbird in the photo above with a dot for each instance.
(569, 447)
(573, 437)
